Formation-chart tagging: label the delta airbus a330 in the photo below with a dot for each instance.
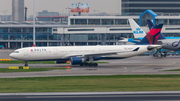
(78, 55)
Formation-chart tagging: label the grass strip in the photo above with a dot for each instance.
(6, 70)
(91, 83)
(174, 70)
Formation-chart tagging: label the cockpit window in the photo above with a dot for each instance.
(16, 52)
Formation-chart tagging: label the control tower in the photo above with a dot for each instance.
(18, 10)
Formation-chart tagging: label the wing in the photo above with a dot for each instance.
(88, 55)
(98, 54)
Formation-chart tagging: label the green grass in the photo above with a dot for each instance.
(35, 62)
(174, 70)
(6, 70)
(91, 83)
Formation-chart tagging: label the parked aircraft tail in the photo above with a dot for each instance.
(152, 36)
(150, 25)
(137, 31)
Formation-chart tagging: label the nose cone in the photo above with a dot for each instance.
(11, 55)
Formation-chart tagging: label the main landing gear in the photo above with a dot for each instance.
(25, 63)
(159, 52)
(161, 55)
(89, 64)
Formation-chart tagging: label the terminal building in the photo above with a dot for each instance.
(82, 30)
(136, 7)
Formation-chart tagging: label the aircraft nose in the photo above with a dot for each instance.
(11, 55)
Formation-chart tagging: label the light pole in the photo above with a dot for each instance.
(78, 9)
(34, 43)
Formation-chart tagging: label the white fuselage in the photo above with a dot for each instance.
(171, 44)
(64, 52)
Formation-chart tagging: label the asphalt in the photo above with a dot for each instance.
(130, 66)
(4, 53)
(134, 65)
(93, 96)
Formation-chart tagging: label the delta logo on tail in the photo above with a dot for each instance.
(150, 25)
(152, 36)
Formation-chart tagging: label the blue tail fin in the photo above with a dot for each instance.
(152, 36)
(150, 25)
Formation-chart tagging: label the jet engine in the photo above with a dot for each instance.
(76, 60)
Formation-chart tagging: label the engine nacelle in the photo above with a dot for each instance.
(60, 61)
(76, 60)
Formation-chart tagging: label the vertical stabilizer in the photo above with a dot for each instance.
(152, 36)
(137, 31)
(150, 25)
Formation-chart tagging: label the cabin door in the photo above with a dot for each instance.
(25, 52)
(55, 51)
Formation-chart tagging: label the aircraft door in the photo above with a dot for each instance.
(99, 49)
(55, 51)
(25, 52)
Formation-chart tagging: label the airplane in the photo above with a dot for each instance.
(169, 43)
(78, 55)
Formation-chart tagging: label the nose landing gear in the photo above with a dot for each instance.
(25, 63)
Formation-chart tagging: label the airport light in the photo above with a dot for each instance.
(34, 43)
(78, 9)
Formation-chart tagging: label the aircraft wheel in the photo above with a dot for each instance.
(86, 64)
(26, 63)
(162, 55)
(82, 64)
(90, 64)
(95, 64)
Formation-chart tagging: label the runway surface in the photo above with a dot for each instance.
(93, 96)
(4, 53)
(134, 65)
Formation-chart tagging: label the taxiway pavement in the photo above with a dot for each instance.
(129, 66)
(93, 96)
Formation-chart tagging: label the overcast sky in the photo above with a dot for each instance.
(108, 6)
